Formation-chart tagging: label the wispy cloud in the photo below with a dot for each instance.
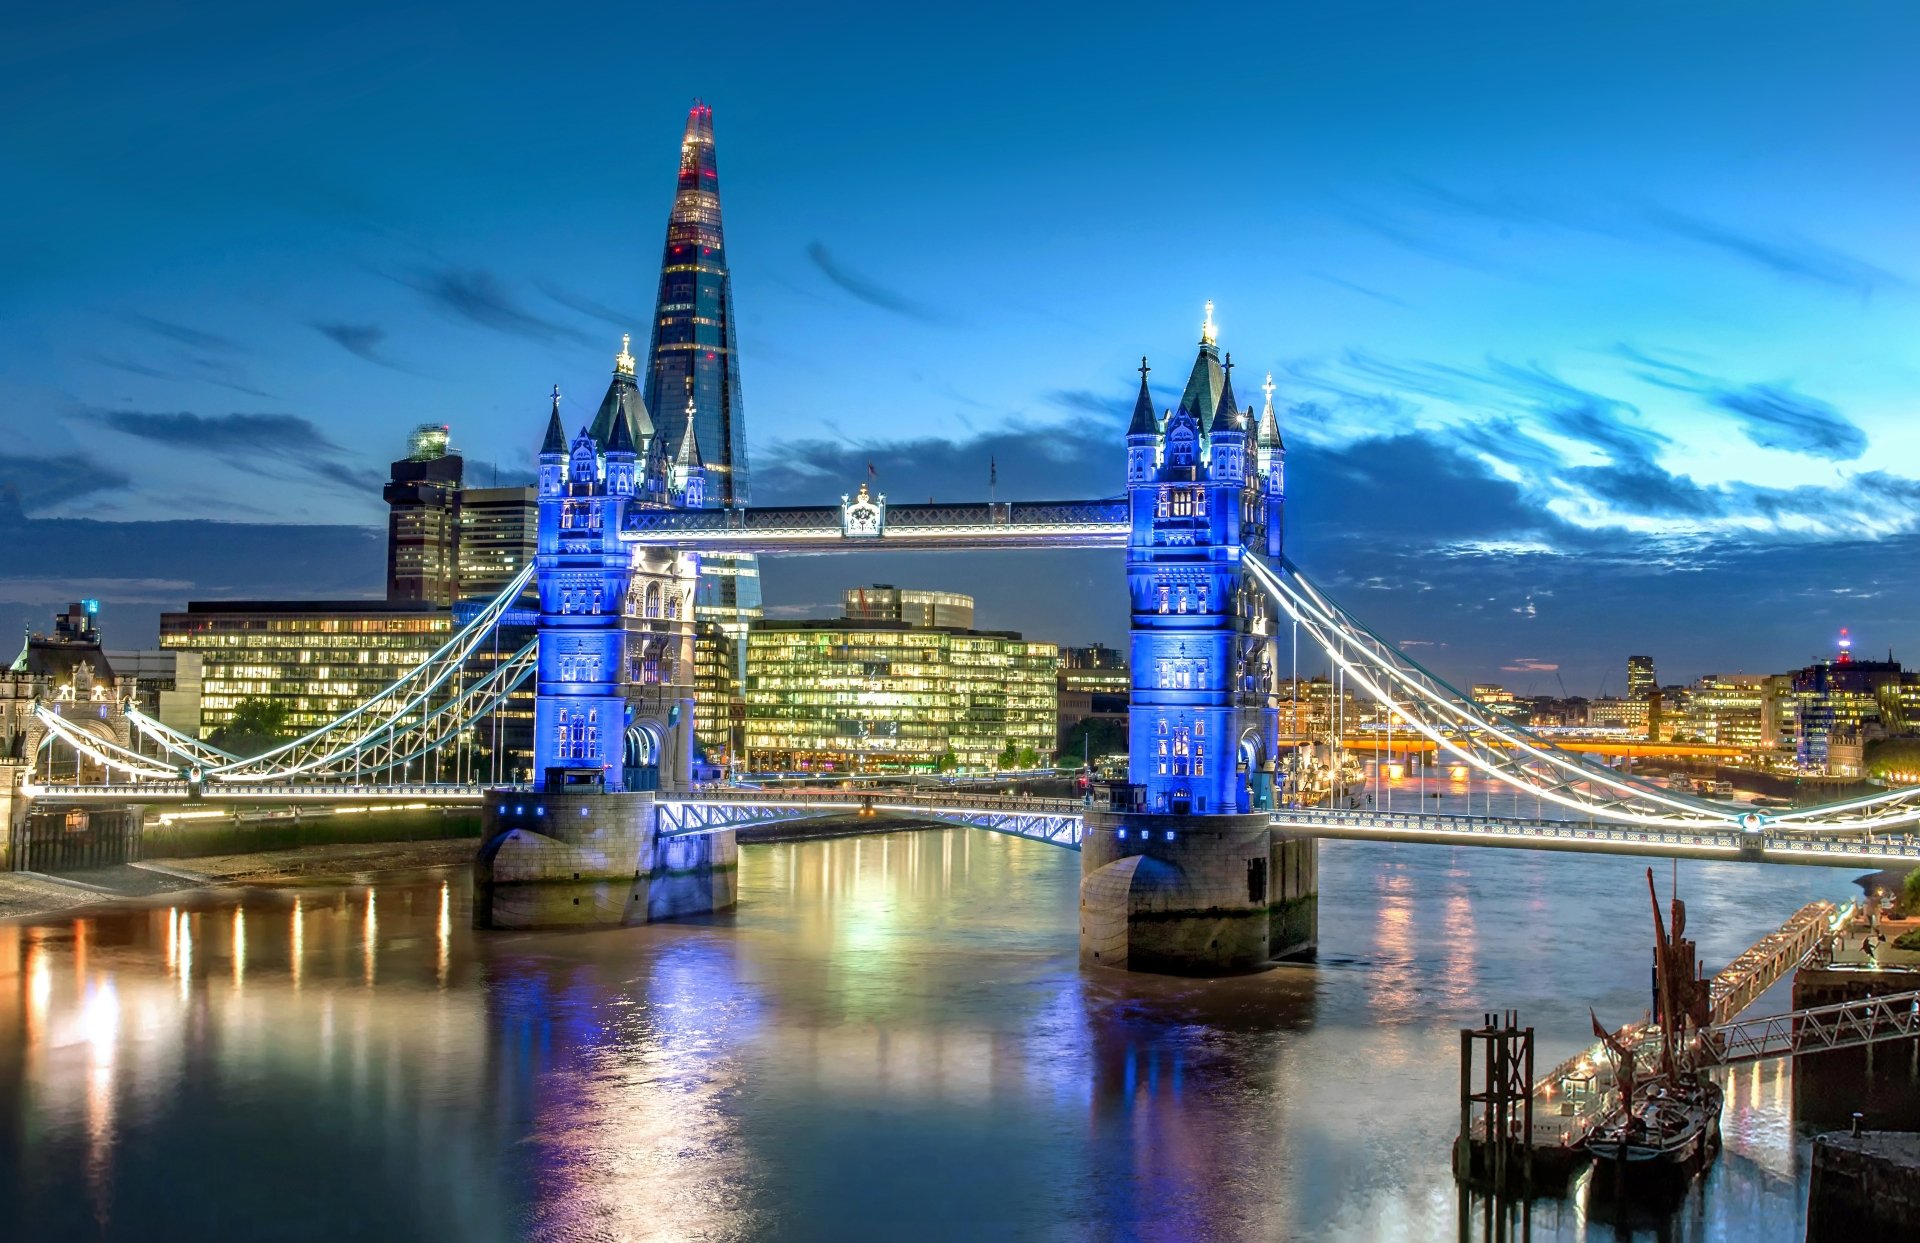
(481, 298)
(253, 441)
(1085, 401)
(1363, 290)
(1775, 417)
(1795, 258)
(627, 321)
(36, 483)
(216, 372)
(185, 334)
(868, 290)
(363, 341)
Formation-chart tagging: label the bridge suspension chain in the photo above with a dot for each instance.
(395, 710)
(101, 751)
(1516, 757)
(183, 746)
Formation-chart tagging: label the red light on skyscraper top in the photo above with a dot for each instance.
(1846, 646)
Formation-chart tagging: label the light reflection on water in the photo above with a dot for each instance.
(890, 1038)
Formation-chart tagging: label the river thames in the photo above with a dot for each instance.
(890, 1038)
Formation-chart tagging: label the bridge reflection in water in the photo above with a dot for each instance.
(351, 1061)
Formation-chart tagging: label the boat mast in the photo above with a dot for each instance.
(1663, 985)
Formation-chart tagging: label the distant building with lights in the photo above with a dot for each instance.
(1627, 714)
(847, 695)
(1642, 681)
(1094, 685)
(165, 685)
(317, 658)
(720, 714)
(1727, 708)
(496, 530)
(422, 498)
(1846, 702)
(885, 602)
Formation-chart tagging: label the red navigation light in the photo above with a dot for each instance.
(1846, 646)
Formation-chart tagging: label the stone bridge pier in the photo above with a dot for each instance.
(1195, 895)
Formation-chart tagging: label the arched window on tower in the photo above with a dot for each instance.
(653, 599)
(673, 606)
(1162, 589)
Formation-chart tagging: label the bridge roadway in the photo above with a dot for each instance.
(1057, 821)
(1043, 819)
(261, 792)
(1408, 743)
(931, 527)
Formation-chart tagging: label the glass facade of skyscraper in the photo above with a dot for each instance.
(318, 658)
(694, 357)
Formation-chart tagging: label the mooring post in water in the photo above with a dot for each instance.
(1505, 1098)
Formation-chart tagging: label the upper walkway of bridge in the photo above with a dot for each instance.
(881, 525)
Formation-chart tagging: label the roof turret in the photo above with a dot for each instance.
(1226, 412)
(1144, 422)
(1202, 394)
(620, 440)
(623, 403)
(1268, 436)
(555, 444)
(689, 456)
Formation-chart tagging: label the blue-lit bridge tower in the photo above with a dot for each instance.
(613, 705)
(1185, 873)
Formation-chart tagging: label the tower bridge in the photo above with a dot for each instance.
(1195, 863)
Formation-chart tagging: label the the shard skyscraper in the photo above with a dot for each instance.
(695, 358)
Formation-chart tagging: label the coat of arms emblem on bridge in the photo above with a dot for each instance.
(863, 514)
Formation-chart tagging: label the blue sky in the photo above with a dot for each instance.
(1595, 328)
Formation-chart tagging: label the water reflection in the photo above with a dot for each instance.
(890, 1038)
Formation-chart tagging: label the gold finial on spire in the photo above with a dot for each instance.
(1206, 328)
(1267, 388)
(623, 361)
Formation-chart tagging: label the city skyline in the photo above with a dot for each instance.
(1631, 381)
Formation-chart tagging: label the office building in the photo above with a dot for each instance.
(316, 658)
(1096, 656)
(720, 713)
(1641, 679)
(1095, 690)
(885, 696)
(1628, 714)
(693, 366)
(885, 602)
(496, 531)
(165, 685)
(1841, 696)
(1726, 708)
(422, 496)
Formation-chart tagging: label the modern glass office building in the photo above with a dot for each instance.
(320, 658)
(869, 696)
(694, 358)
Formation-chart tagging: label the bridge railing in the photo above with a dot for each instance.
(892, 798)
